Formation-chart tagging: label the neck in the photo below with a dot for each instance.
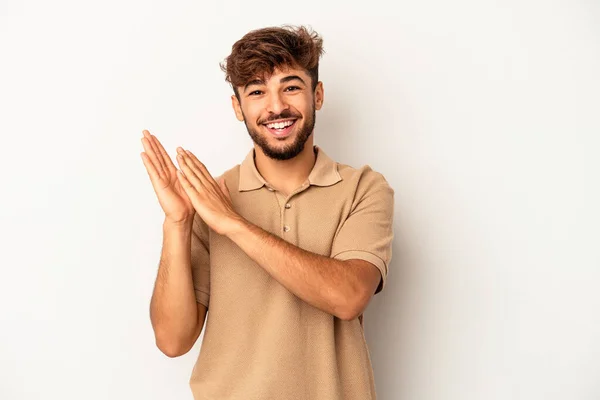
(286, 175)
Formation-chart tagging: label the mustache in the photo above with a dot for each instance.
(283, 115)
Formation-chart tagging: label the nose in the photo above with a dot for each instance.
(276, 103)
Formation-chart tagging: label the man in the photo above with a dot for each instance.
(285, 249)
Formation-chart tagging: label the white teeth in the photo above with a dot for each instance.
(280, 125)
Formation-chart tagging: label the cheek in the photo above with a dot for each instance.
(247, 116)
(305, 104)
(253, 112)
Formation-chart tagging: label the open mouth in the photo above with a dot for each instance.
(282, 128)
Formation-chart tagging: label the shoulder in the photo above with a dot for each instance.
(231, 175)
(363, 180)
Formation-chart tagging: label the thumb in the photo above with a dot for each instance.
(224, 189)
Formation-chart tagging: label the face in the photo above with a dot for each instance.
(279, 113)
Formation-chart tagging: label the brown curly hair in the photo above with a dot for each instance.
(261, 51)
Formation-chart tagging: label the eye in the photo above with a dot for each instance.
(255, 93)
(292, 88)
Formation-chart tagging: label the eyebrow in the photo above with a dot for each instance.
(282, 80)
(291, 78)
(254, 82)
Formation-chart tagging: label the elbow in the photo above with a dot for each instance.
(352, 309)
(345, 316)
(172, 353)
(349, 314)
(172, 348)
(172, 345)
(175, 340)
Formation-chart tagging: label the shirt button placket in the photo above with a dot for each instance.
(286, 228)
(287, 206)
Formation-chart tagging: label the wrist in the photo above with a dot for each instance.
(183, 224)
(236, 226)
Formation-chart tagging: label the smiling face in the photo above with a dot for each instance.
(279, 112)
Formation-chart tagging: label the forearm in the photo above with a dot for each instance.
(323, 282)
(173, 309)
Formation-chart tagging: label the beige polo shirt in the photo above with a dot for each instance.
(261, 342)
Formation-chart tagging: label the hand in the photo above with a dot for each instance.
(210, 199)
(163, 175)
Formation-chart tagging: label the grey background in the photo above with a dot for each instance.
(483, 116)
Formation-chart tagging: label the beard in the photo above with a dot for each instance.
(289, 150)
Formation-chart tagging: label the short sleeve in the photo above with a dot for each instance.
(367, 232)
(200, 260)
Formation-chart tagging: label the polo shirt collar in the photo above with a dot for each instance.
(324, 172)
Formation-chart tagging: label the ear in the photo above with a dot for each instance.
(237, 108)
(319, 95)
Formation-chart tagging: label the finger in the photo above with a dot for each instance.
(152, 151)
(152, 156)
(165, 156)
(159, 156)
(150, 169)
(187, 186)
(201, 167)
(190, 174)
(198, 171)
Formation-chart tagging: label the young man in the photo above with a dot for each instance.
(285, 249)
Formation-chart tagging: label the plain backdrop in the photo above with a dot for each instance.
(484, 116)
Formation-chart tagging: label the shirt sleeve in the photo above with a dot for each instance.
(367, 232)
(200, 260)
